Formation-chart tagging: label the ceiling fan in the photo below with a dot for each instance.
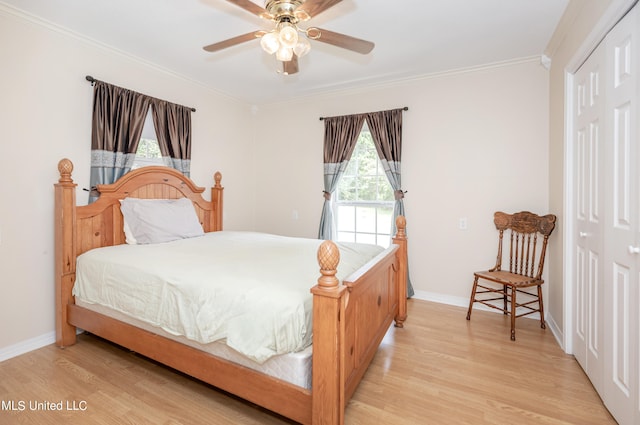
(287, 40)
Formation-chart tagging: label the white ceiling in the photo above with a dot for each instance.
(413, 38)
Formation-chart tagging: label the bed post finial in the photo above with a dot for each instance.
(65, 167)
(216, 197)
(401, 226)
(328, 258)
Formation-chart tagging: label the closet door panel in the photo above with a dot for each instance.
(588, 250)
(621, 317)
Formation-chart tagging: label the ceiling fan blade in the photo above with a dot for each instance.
(233, 41)
(341, 40)
(290, 67)
(251, 7)
(315, 7)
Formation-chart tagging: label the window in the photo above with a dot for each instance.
(364, 201)
(148, 152)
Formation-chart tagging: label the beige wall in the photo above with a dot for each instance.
(45, 114)
(473, 142)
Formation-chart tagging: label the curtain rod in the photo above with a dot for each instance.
(406, 108)
(92, 80)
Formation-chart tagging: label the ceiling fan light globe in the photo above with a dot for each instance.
(288, 35)
(270, 42)
(302, 48)
(284, 54)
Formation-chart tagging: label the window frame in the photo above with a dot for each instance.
(148, 135)
(376, 204)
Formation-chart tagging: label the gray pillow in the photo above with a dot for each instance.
(159, 220)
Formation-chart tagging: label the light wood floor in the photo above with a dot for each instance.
(439, 369)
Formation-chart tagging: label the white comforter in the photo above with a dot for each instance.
(251, 288)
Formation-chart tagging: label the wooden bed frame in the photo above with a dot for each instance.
(349, 320)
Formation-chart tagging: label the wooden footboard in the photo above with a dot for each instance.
(354, 317)
(349, 319)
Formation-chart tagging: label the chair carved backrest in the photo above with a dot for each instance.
(524, 229)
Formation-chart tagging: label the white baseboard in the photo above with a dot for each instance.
(457, 301)
(50, 338)
(555, 329)
(27, 345)
(464, 302)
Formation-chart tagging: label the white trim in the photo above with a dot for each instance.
(32, 344)
(445, 299)
(568, 247)
(332, 90)
(464, 302)
(609, 19)
(27, 346)
(461, 302)
(12, 11)
(328, 90)
(555, 330)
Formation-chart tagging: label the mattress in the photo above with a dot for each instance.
(205, 289)
(294, 368)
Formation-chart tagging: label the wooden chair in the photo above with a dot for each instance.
(526, 262)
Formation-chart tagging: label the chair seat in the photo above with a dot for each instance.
(508, 278)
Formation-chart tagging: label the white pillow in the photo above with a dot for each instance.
(159, 220)
(128, 235)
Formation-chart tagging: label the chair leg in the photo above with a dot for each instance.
(473, 297)
(542, 324)
(513, 313)
(504, 299)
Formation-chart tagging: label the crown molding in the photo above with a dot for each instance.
(361, 86)
(23, 16)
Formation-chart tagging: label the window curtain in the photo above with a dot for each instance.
(340, 137)
(386, 132)
(173, 127)
(118, 119)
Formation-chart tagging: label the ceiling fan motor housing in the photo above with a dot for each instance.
(285, 10)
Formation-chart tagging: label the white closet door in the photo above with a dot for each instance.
(589, 110)
(622, 296)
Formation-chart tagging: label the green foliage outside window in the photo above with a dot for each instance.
(364, 178)
(148, 149)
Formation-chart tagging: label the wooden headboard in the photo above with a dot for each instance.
(100, 223)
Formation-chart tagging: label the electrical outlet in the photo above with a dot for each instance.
(463, 223)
